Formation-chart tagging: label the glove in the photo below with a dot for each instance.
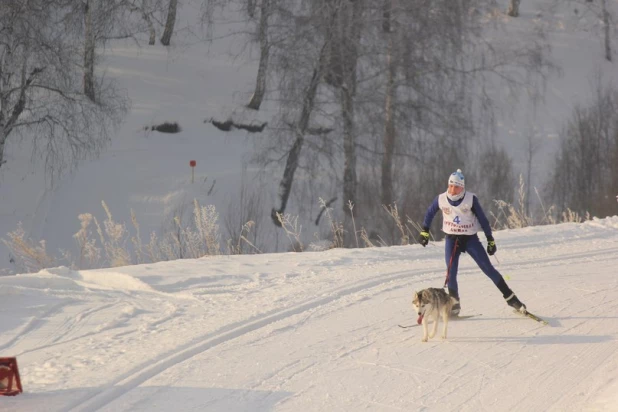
(423, 239)
(491, 246)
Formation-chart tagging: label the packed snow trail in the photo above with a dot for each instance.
(318, 331)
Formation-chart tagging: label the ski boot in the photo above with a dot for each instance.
(516, 304)
(456, 308)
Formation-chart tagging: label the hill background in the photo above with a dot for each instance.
(192, 82)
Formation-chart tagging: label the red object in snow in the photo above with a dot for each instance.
(10, 383)
(192, 163)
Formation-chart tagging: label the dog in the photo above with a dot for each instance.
(430, 304)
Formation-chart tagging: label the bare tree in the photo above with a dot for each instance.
(147, 10)
(169, 23)
(585, 177)
(89, 50)
(147, 16)
(495, 178)
(414, 73)
(98, 21)
(532, 148)
(262, 36)
(293, 158)
(39, 92)
(598, 16)
(347, 39)
(389, 105)
(300, 60)
(607, 29)
(514, 8)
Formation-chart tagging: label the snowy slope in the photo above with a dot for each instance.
(318, 331)
(192, 82)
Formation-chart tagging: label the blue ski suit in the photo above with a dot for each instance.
(455, 245)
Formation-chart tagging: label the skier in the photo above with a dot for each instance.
(463, 217)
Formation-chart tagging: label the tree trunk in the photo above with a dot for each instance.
(350, 41)
(387, 10)
(153, 34)
(285, 186)
(151, 28)
(3, 138)
(89, 52)
(9, 116)
(528, 185)
(169, 24)
(251, 8)
(607, 30)
(514, 8)
(349, 149)
(260, 83)
(389, 129)
(350, 181)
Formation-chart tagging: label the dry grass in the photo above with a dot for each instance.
(110, 244)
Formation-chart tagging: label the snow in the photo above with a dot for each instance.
(313, 331)
(318, 331)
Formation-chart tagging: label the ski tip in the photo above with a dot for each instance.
(464, 316)
(532, 316)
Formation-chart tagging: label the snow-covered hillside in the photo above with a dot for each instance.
(318, 331)
(192, 82)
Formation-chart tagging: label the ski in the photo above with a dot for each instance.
(462, 317)
(454, 318)
(533, 317)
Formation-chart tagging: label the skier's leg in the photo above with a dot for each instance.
(476, 250)
(451, 255)
(452, 251)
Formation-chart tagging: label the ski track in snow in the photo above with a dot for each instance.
(142, 373)
(35, 323)
(464, 376)
(124, 383)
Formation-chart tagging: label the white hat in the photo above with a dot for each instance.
(457, 179)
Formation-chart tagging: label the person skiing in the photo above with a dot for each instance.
(463, 217)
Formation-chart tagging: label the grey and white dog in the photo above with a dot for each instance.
(431, 304)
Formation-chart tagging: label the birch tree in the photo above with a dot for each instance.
(96, 22)
(300, 56)
(585, 172)
(262, 37)
(40, 94)
(89, 49)
(169, 22)
(599, 16)
(389, 103)
(514, 8)
(342, 75)
(300, 126)
(401, 84)
(146, 9)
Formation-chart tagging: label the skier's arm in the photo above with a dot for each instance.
(429, 215)
(480, 215)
